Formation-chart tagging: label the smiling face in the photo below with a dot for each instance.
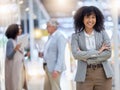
(89, 21)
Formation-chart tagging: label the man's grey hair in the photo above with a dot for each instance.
(53, 22)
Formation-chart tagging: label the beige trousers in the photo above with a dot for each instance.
(95, 80)
(50, 82)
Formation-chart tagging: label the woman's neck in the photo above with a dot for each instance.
(89, 31)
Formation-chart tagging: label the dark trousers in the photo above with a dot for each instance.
(95, 80)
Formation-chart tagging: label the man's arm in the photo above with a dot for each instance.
(61, 44)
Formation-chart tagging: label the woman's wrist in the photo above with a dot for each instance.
(100, 50)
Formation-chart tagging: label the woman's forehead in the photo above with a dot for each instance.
(90, 13)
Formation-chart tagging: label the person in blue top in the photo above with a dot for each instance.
(54, 55)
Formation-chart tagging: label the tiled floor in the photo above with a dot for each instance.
(37, 83)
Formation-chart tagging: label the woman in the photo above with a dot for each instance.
(14, 68)
(91, 47)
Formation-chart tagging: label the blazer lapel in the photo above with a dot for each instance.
(96, 38)
(82, 40)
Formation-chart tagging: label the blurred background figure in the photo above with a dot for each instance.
(54, 56)
(14, 66)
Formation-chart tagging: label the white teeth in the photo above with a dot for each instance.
(89, 23)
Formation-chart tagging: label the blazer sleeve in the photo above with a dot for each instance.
(79, 54)
(106, 54)
(61, 44)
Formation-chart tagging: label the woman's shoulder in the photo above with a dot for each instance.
(10, 41)
(100, 32)
(78, 33)
(74, 34)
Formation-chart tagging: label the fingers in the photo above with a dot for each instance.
(78, 49)
(55, 74)
(105, 46)
(17, 47)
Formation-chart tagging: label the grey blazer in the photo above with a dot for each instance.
(55, 56)
(91, 57)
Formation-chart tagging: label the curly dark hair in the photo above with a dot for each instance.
(87, 11)
(12, 31)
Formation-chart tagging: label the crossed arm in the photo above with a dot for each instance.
(92, 56)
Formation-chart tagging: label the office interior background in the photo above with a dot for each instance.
(32, 15)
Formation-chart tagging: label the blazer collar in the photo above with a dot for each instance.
(96, 38)
(54, 34)
(82, 37)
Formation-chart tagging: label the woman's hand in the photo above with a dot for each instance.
(78, 49)
(17, 47)
(104, 47)
(27, 54)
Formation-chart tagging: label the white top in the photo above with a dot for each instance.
(90, 41)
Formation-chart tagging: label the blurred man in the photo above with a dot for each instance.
(54, 56)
